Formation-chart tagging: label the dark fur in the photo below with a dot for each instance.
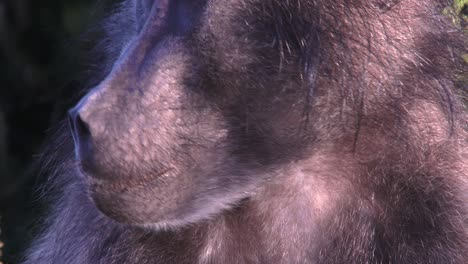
(267, 131)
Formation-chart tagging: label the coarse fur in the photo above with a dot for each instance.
(266, 131)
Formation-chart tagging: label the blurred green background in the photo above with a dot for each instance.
(43, 47)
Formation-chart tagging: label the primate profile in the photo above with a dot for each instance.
(266, 131)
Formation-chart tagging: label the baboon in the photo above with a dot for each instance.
(266, 131)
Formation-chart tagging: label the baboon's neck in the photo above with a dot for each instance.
(281, 223)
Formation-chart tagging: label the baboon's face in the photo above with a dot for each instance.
(201, 98)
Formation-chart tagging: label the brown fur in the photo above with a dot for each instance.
(268, 131)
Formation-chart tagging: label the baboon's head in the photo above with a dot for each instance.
(207, 99)
(204, 97)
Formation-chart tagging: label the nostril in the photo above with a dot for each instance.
(81, 127)
(82, 139)
(80, 130)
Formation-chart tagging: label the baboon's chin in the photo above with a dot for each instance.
(140, 200)
(129, 205)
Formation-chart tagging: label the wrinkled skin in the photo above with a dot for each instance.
(266, 131)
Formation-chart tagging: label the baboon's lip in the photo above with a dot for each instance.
(124, 185)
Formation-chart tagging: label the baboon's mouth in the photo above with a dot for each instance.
(124, 185)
